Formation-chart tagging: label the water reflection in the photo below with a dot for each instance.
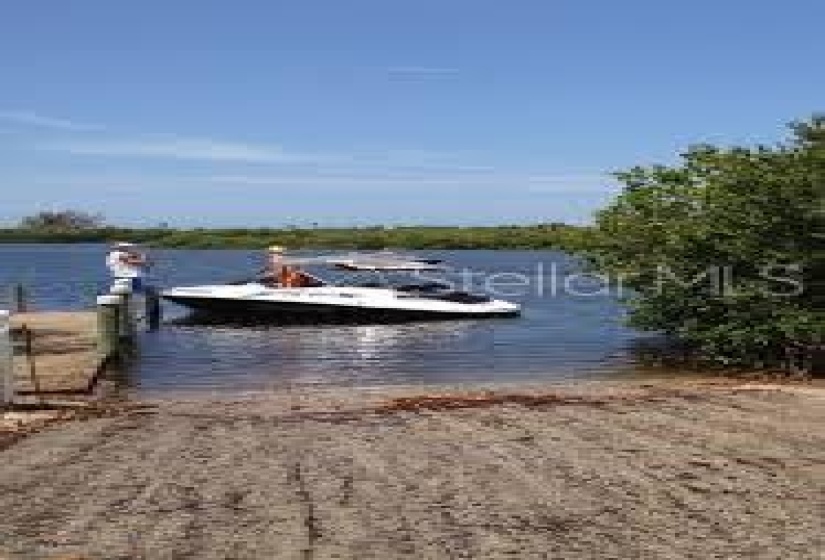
(262, 356)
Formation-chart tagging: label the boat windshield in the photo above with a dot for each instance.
(374, 279)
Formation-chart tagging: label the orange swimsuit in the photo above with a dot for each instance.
(291, 278)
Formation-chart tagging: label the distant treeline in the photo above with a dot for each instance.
(543, 236)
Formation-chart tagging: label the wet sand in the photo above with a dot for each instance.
(601, 470)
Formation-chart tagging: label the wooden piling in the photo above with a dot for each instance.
(123, 290)
(30, 359)
(108, 326)
(20, 303)
(153, 310)
(6, 360)
(126, 327)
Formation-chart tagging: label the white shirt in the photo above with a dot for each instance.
(115, 262)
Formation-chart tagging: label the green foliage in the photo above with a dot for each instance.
(545, 236)
(725, 250)
(65, 220)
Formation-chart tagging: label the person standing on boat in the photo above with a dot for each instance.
(126, 262)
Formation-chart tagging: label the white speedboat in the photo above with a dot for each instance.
(378, 299)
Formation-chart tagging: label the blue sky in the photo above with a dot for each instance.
(376, 111)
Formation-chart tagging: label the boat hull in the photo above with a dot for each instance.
(351, 304)
(289, 312)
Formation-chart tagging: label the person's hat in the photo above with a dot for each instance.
(276, 249)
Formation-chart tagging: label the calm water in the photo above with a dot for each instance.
(561, 336)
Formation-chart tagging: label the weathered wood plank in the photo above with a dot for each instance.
(64, 351)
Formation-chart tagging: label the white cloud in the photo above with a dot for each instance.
(176, 147)
(380, 182)
(400, 169)
(182, 149)
(223, 151)
(329, 181)
(423, 71)
(583, 182)
(29, 118)
(423, 160)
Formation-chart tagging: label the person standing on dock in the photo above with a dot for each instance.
(126, 261)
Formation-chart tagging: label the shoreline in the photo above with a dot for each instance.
(650, 377)
(35, 413)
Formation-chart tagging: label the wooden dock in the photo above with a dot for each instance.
(64, 352)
